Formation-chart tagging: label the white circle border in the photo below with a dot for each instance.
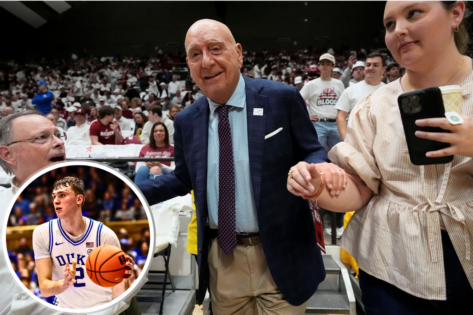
(145, 205)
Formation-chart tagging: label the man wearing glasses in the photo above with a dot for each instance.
(23, 151)
(29, 142)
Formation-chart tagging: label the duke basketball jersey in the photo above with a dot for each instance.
(50, 240)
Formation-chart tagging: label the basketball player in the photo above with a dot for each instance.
(61, 247)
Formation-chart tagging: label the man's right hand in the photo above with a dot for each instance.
(314, 118)
(69, 275)
(351, 61)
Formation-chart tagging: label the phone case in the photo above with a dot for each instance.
(431, 107)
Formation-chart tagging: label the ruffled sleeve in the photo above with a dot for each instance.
(355, 155)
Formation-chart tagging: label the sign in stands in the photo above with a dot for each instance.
(105, 151)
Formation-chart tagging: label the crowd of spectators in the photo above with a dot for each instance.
(106, 198)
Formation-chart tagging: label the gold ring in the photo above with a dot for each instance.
(290, 172)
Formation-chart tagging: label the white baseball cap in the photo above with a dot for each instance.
(338, 70)
(358, 64)
(297, 80)
(328, 57)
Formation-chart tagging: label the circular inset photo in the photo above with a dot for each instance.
(78, 236)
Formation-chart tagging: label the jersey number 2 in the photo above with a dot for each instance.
(79, 276)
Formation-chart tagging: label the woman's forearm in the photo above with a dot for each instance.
(355, 196)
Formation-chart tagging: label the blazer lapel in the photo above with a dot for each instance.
(201, 139)
(256, 132)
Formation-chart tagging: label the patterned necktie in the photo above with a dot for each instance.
(226, 184)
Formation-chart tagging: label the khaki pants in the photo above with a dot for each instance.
(241, 284)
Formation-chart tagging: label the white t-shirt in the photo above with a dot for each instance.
(78, 89)
(123, 123)
(322, 97)
(79, 135)
(354, 94)
(51, 241)
(173, 87)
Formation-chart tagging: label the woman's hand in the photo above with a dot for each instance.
(305, 179)
(460, 138)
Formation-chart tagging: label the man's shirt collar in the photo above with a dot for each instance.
(237, 99)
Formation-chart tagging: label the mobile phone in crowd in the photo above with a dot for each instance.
(422, 104)
(353, 53)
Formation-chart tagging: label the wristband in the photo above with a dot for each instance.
(321, 187)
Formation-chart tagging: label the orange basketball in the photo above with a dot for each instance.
(106, 265)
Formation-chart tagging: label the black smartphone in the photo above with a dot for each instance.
(422, 104)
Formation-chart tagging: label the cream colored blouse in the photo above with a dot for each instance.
(397, 236)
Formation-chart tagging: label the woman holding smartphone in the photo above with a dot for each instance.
(412, 234)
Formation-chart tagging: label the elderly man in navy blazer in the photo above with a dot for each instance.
(234, 148)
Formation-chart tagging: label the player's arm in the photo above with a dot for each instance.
(342, 123)
(49, 287)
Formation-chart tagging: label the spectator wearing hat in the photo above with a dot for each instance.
(392, 71)
(79, 134)
(298, 83)
(164, 91)
(70, 116)
(346, 76)
(337, 73)
(105, 130)
(122, 121)
(174, 86)
(357, 73)
(101, 102)
(43, 98)
(322, 95)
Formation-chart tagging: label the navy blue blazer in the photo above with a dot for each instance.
(286, 225)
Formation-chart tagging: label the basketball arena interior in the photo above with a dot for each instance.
(131, 60)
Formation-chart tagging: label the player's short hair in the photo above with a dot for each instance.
(76, 185)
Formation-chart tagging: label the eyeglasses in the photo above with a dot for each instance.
(43, 139)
